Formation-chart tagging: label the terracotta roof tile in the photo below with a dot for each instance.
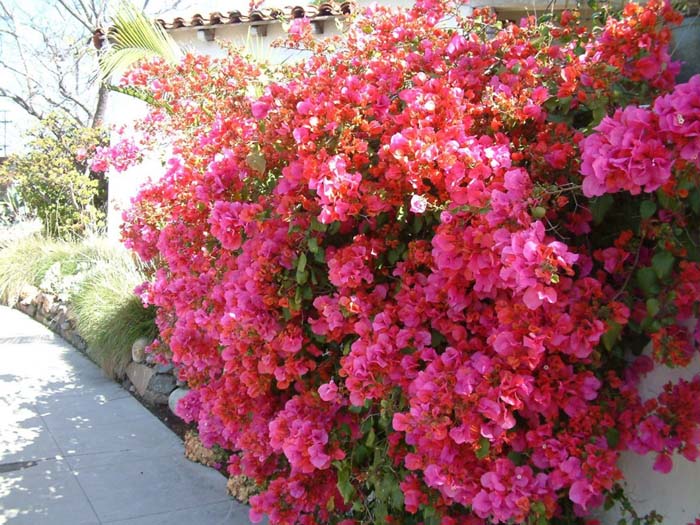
(265, 15)
(326, 9)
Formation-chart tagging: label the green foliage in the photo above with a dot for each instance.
(53, 177)
(142, 95)
(26, 262)
(108, 314)
(12, 209)
(134, 37)
(96, 278)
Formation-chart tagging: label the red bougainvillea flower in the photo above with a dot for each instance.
(410, 277)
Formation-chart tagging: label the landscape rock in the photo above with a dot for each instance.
(159, 388)
(27, 308)
(78, 341)
(175, 396)
(140, 376)
(164, 369)
(138, 349)
(28, 293)
(46, 303)
(162, 384)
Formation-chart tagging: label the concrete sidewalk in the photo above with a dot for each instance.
(77, 449)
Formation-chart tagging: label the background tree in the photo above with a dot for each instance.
(54, 178)
(47, 61)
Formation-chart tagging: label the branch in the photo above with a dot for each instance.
(67, 95)
(75, 15)
(24, 104)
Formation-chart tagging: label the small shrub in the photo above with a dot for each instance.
(54, 180)
(12, 208)
(23, 262)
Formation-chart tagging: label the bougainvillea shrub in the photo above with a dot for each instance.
(410, 278)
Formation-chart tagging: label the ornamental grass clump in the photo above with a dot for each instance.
(411, 278)
(108, 315)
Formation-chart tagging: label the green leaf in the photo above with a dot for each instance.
(256, 160)
(662, 263)
(141, 94)
(611, 336)
(418, 224)
(371, 438)
(538, 212)
(647, 209)
(609, 503)
(653, 306)
(313, 245)
(360, 455)
(301, 263)
(694, 200)
(484, 447)
(647, 280)
(599, 113)
(600, 207)
(612, 435)
(430, 516)
(665, 200)
(295, 304)
(344, 486)
(437, 339)
(380, 512)
(516, 458)
(307, 293)
(318, 226)
(302, 276)
(134, 37)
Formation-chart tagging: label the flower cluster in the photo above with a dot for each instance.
(634, 150)
(405, 279)
(119, 156)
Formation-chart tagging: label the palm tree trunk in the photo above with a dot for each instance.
(101, 108)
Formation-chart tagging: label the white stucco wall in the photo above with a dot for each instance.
(124, 110)
(676, 495)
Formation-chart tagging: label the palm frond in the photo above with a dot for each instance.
(141, 94)
(134, 37)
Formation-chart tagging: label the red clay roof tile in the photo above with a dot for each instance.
(325, 9)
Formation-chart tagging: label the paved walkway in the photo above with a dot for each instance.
(77, 449)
